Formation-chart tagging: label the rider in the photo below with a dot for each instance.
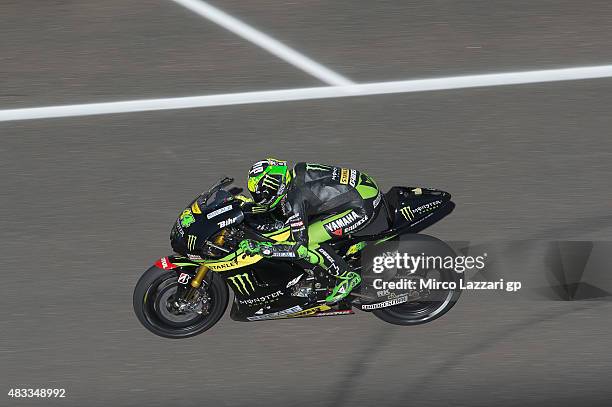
(343, 200)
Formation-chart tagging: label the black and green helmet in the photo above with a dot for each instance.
(268, 180)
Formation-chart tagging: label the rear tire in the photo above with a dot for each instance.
(433, 306)
(416, 313)
(150, 297)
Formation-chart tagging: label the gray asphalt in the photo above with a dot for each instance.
(87, 203)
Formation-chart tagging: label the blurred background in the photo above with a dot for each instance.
(88, 202)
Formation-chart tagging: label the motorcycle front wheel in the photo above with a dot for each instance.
(154, 293)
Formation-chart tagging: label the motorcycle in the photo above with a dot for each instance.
(186, 293)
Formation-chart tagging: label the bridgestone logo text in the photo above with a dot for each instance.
(399, 300)
(218, 211)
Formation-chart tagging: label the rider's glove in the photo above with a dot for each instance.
(250, 247)
(285, 250)
(304, 253)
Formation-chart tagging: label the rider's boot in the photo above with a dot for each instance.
(344, 285)
(337, 268)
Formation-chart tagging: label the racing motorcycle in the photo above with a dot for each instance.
(186, 293)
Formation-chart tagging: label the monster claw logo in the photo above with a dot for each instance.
(271, 182)
(317, 167)
(256, 209)
(240, 280)
(191, 239)
(407, 213)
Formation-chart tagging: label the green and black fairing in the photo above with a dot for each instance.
(271, 289)
(206, 216)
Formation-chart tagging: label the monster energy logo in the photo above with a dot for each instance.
(318, 167)
(270, 182)
(191, 239)
(407, 213)
(240, 280)
(256, 209)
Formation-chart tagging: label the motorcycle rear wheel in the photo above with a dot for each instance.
(421, 312)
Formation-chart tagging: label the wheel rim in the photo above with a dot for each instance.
(157, 313)
(427, 307)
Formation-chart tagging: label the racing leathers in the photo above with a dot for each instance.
(322, 203)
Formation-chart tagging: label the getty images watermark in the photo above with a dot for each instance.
(411, 264)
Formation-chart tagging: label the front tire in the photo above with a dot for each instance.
(152, 292)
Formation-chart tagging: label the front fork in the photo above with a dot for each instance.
(192, 293)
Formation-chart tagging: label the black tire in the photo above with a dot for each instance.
(421, 312)
(150, 293)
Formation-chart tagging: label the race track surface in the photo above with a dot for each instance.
(87, 202)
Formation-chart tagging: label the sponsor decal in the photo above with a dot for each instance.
(271, 182)
(399, 300)
(259, 209)
(179, 228)
(430, 206)
(283, 254)
(407, 213)
(353, 178)
(186, 218)
(223, 266)
(294, 281)
(377, 200)
(293, 218)
(356, 225)
(195, 208)
(335, 174)
(261, 300)
(326, 255)
(191, 239)
(218, 211)
(332, 313)
(335, 227)
(227, 222)
(317, 167)
(355, 248)
(310, 311)
(184, 278)
(273, 161)
(278, 314)
(194, 257)
(164, 263)
(344, 176)
(258, 167)
(333, 267)
(383, 293)
(243, 283)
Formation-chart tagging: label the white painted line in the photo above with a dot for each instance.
(325, 92)
(264, 41)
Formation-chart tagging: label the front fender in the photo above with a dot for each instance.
(185, 269)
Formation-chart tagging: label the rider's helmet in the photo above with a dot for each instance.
(268, 181)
